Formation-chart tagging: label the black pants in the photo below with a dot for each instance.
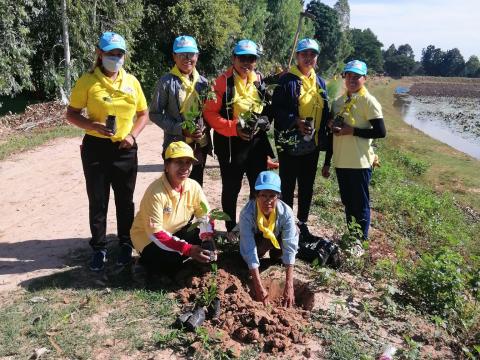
(105, 165)
(301, 169)
(264, 245)
(232, 175)
(157, 260)
(199, 167)
(354, 192)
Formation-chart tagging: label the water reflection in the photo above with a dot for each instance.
(453, 121)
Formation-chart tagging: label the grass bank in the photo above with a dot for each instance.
(18, 142)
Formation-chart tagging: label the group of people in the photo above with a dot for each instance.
(239, 110)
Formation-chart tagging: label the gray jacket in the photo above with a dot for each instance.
(165, 107)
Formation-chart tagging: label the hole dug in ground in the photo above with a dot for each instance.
(243, 320)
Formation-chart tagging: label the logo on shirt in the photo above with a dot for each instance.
(167, 210)
(127, 90)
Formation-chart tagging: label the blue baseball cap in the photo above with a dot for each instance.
(356, 66)
(308, 44)
(268, 180)
(185, 44)
(110, 40)
(246, 47)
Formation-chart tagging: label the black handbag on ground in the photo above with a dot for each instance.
(327, 252)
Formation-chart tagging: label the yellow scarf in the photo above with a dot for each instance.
(349, 102)
(189, 101)
(310, 102)
(266, 226)
(246, 97)
(115, 93)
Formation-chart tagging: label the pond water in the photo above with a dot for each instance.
(453, 121)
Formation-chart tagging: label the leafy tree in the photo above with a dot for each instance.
(472, 67)
(214, 23)
(87, 20)
(327, 32)
(399, 65)
(399, 62)
(406, 50)
(439, 63)
(16, 49)
(432, 59)
(391, 51)
(453, 63)
(343, 10)
(280, 31)
(253, 19)
(367, 48)
(345, 47)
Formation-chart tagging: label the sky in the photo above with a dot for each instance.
(444, 23)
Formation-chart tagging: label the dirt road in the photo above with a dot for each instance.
(44, 209)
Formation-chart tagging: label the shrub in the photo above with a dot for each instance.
(438, 282)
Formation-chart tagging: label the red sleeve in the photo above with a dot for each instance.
(166, 241)
(211, 111)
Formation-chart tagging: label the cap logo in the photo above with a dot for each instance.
(246, 46)
(115, 38)
(185, 42)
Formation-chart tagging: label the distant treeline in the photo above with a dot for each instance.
(33, 34)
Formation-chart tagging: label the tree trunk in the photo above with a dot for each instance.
(66, 49)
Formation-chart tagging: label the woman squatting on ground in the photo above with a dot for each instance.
(266, 225)
(116, 114)
(159, 232)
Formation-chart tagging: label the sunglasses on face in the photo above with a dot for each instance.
(352, 76)
(308, 54)
(247, 58)
(187, 56)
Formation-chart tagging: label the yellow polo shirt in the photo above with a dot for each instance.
(122, 97)
(164, 209)
(354, 152)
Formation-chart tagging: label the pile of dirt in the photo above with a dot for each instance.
(244, 321)
(35, 116)
(467, 90)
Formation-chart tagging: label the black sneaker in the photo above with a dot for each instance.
(98, 261)
(305, 235)
(125, 255)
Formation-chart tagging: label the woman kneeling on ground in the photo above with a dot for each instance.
(268, 224)
(159, 232)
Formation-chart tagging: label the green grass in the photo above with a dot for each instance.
(419, 195)
(344, 344)
(81, 321)
(19, 142)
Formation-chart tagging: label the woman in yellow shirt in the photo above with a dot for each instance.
(116, 113)
(160, 231)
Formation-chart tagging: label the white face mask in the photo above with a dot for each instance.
(112, 63)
